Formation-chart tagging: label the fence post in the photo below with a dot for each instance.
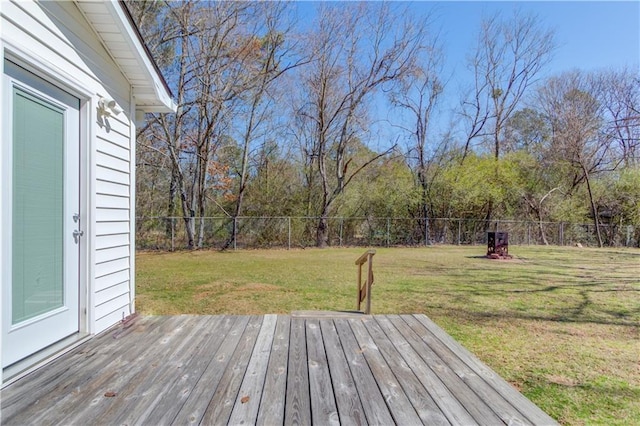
(459, 230)
(341, 225)
(426, 231)
(289, 232)
(235, 234)
(173, 232)
(388, 230)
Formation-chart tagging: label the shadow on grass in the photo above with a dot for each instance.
(572, 316)
(576, 303)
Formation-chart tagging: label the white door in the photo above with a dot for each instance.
(40, 210)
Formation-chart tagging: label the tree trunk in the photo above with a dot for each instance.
(171, 207)
(594, 209)
(322, 231)
(541, 228)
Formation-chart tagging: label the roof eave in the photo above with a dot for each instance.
(150, 90)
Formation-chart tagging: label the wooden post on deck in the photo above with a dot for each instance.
(364, 289)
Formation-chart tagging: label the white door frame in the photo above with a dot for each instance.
(69, 83)
(34, 333)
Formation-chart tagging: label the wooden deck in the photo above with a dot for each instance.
(269, 369)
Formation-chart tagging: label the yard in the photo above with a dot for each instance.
(560, 324)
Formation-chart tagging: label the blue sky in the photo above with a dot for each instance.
(590, 35)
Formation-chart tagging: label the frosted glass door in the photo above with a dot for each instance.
(38, 207)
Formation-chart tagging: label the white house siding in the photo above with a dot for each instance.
(56, 37)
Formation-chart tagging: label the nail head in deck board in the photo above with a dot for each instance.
(425, 406)
(529, 409)
(198, 400)
(442, 396)
(402, 410)
(298, 403)
(75, 385)
(503, 409)
(221, 405)
(245, 410)
(373, 403)
(275, 385)
(323, 404)
(347, 400)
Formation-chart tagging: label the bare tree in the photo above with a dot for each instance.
(620, 98)
(507, 60)
(416, 94)
(571, 105)
(167, 29)
(222, 62)
(357, 49)
(274, 56)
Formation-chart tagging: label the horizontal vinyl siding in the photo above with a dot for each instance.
(110, 241)
(111, 162)
(106, 187)
(110, 253)
(111, 148)
(112, 311)
(106, 174)
(112, 228)
(111, 318)
(57, 34)
(112, 292)
(111, 267)
(104, 215)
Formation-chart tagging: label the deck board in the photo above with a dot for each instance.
(270, 369)
(298, 406)
(275, 385)
(347, 399)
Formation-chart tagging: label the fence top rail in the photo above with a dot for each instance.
(365, 256)
(452, 219)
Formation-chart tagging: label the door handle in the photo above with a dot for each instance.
(77, 234)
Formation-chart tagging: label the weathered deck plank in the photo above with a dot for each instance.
(507, 412)
(297, 410)
(225, 396)
(275, 385)
(402, 410)
(516, 399)
(198, 400)
(472, 402)
(245, 410)
(269, 369)
(373, 403)
(156, 378)
(86, 391)
(422, 402)
(443, 397)
(347, 400)
(170, 401)
(323, 403)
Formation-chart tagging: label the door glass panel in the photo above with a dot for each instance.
(38, 206)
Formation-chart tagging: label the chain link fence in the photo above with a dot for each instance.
(169, 233)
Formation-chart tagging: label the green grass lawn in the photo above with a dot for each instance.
(560, 324)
